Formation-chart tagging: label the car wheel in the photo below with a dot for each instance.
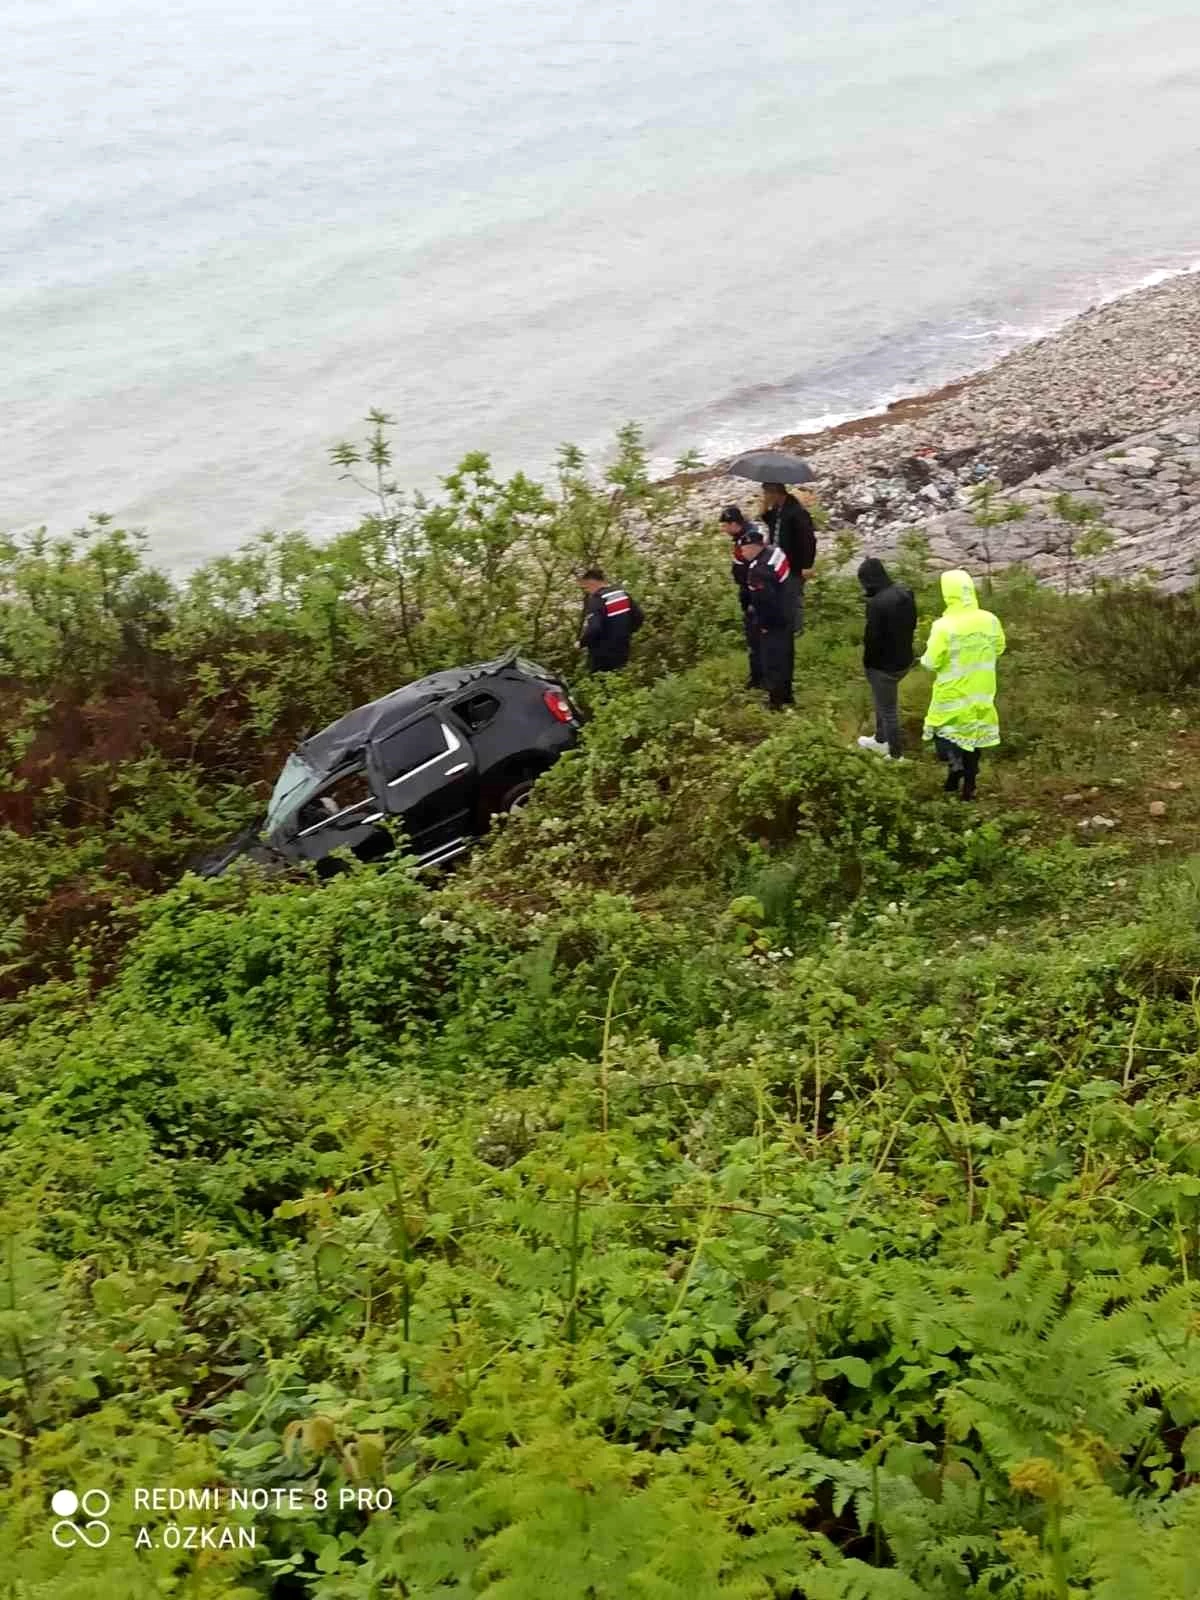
(330, 867)
(516, 798)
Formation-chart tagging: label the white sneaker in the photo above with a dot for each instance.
(869, 742)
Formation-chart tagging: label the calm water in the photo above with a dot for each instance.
(228, 230)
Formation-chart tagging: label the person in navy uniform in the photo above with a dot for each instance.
(733, 523)
(772, 614)
(611, 617)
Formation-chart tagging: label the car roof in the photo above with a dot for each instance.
(325, 750)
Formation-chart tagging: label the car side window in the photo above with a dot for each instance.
(342, 795)
(409, 748)
(477, 710)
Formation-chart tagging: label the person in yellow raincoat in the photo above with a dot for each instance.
(964, 645)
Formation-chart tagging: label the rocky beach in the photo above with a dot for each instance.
(1105, 411)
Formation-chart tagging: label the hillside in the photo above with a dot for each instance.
(751, 1175)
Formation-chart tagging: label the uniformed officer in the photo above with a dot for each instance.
(611, 617)
(735, 525)
(772, 613)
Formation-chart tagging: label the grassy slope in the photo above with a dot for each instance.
(754, 1175)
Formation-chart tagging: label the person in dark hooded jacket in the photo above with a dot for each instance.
(887, 652)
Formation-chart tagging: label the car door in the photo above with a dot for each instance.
(342, 814)
(424, 774)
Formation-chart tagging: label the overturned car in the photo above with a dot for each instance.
(440, 757)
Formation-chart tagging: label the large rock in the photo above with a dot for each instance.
(1138, 493)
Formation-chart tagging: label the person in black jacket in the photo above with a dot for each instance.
(887, 652)
(791, 527)
(772, 614)
(735, 525)
(611, 617)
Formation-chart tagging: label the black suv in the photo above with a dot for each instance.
(440, 757)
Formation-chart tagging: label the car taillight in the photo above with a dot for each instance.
(558, 705)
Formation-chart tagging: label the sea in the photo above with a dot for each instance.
(228, 231)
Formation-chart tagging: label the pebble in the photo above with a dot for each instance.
(1157, 808)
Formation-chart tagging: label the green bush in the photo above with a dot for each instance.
(1147, 641)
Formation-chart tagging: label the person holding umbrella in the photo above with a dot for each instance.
(792, 528)
(789, 523)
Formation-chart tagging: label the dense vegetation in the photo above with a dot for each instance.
(753, 1175)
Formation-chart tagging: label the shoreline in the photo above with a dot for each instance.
(908, 407)
(1114, 370)
(866, 425)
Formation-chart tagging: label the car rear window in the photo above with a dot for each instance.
(411, 747)
(477, 710)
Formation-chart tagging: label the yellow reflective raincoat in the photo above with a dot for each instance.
(964, 645)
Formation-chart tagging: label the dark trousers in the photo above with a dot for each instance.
(755, 677)
(777, 664)
(885, 692)
(962, 766)
(608, 660)
(798, 623)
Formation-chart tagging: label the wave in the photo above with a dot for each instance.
(1151, 281)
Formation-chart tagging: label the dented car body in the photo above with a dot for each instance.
(438, 758)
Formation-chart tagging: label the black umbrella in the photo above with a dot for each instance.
(771, 466)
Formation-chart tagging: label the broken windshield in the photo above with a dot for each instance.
(296, 783)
